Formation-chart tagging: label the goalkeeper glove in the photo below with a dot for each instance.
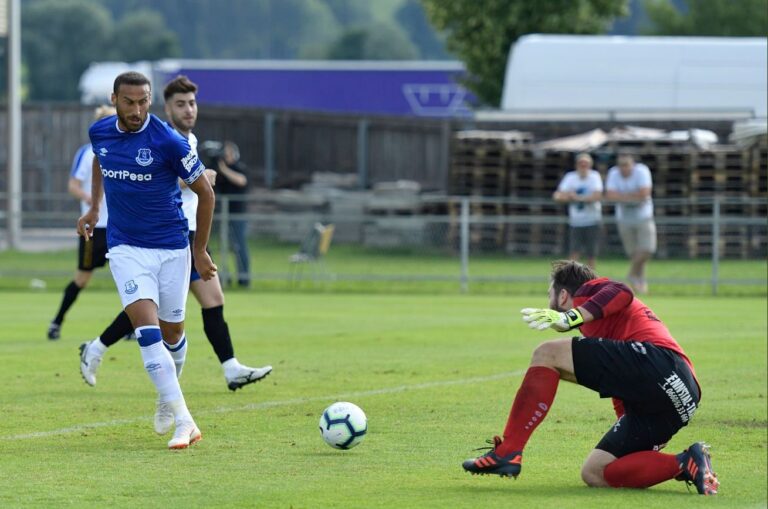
(544, 318)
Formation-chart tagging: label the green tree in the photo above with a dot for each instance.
(739, 18)
(241, 28)
(376, 42)
(350, 13)
(143, 35)
(60, 38)
(413, 19)
(482, 35)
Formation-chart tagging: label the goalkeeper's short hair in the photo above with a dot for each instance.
(570, 274)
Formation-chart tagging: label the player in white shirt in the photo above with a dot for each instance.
(629, 184)
(140, 160)
(91, 255)
(582, 190)
(181, 110)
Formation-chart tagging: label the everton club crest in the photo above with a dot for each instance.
(145, 157)
(131, 287)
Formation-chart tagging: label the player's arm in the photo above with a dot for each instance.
(561, 321)
(233, 176)
(635, 196)
(209, 174)
(591, 198)
(608, 298)
(87, 222)
(75, 188)
(604, 299)
(206, 202)
(563, 196)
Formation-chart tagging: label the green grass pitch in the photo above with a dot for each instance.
(435, 374)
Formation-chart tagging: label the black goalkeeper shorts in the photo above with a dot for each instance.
(659, 391)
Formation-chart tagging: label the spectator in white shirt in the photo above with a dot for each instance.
(582, 190)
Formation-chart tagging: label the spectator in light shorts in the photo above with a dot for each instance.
(629, 184)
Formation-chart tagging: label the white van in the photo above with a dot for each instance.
(561, 73)
(97, 80)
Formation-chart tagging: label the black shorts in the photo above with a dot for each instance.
(585, 240)
(93, 254)
(659, 392)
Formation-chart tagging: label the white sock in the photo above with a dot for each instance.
(159, 365)
(180, 410)
(178, 354)
(97, 347)
(230, 367)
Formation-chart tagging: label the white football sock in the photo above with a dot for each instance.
(97, 347)
(178, 354)
(230, 367)
(159, 366)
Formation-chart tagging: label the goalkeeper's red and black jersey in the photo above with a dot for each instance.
(619, 315)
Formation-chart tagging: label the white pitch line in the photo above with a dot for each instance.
(271, 404)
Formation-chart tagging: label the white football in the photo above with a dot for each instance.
(343, 425)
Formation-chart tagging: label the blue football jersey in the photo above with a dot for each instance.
(141, 171)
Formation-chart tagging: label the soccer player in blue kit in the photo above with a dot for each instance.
(181, 109)
(141, 158)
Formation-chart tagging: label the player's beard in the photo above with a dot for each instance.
(130, 121)
(183, 125)
(553, 304)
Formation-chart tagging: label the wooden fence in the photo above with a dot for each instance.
(284, 149)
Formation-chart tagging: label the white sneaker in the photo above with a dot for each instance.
(89, 363)
(244, 375)
(186, 434)
(163, 418)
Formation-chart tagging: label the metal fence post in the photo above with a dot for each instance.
(269, 150)
(464, 244)
(715, 243)
(224, 240)
(362, 153)
(13, 125)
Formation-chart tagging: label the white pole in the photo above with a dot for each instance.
(464, 245)
(14, 124)
(715, 243)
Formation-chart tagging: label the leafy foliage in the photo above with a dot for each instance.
(60, 38)
(379, 42)
(482, 37)
(413, 19)
(156, 40)
(709, 17)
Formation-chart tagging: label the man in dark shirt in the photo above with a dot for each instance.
(233, 183)
(626, 353)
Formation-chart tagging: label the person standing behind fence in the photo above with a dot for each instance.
(582, 190)
(90, 255)
(234, 184)
(629, 184)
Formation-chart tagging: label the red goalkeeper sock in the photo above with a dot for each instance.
(641, 469)
(532, 402)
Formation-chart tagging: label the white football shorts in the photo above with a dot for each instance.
(161, 275)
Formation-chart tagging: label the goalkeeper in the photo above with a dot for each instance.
(625, 353)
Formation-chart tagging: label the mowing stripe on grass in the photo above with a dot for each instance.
(271, 404)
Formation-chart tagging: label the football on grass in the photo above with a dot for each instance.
(343, 425)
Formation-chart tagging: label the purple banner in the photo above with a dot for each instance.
(386, 91)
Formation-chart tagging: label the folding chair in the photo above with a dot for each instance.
(312, 251)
